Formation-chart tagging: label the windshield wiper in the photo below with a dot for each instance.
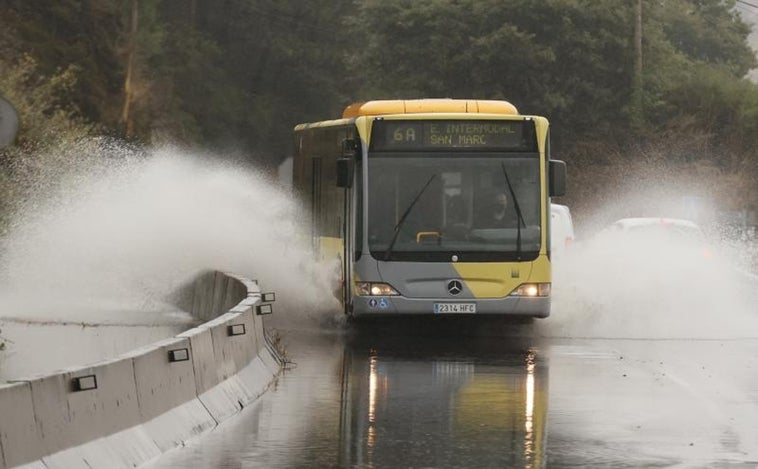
(518, 211)
(405, 215)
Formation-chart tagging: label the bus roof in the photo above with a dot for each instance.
(415, 106)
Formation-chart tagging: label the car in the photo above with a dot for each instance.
(677, 227)
(671, 233)
(657, 224)
(561, 227)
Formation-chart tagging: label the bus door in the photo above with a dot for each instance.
(333, 154)
(346, 177)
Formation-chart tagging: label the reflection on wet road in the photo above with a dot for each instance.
(442, 403)
(498, 397)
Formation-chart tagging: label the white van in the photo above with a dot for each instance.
(561, 227)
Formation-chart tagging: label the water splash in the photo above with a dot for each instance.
(127, 229)
(643, 285)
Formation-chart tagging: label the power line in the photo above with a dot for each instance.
(747, 3)
(746, 11)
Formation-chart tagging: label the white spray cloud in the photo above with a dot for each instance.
(130, 229)
(650, 285)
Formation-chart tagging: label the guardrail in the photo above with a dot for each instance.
(127, 411)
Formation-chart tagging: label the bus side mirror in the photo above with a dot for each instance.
(345, 167)
(351, 151)
(8, 123)
(557, 178)
(351, 148)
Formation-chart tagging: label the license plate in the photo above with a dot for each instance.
(442, 308)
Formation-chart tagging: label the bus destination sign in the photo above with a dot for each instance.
(447, 134)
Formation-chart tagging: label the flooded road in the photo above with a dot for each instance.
(493, 396)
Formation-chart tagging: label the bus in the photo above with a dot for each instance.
(432, 206)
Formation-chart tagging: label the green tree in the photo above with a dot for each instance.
(557, 57)
(285, 60)
(63, 33)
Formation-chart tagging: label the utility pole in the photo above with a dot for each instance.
(193, 13)
(126, 115)
(638, 115)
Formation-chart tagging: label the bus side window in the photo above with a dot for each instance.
(315, 200)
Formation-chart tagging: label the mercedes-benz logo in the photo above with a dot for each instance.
(454, 287)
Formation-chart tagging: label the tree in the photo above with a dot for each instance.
(62, 33)
(561, 58)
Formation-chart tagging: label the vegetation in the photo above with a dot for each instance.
(668, 99)
(276, 341)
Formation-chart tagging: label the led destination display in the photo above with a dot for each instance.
(448, 134)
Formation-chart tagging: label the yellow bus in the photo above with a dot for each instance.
(432, 206)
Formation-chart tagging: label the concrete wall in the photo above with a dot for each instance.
(144, 403)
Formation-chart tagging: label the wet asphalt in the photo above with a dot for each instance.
(472, 393)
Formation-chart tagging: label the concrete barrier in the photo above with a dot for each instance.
(216, 292)
(165, 378)
(18, 435)
(218, 387)
(99, 409)
(126, 411)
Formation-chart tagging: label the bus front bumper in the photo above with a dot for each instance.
(399, 305)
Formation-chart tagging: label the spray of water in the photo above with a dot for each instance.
(651, 284)
(129, 229)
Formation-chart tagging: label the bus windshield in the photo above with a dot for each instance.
(439, 206)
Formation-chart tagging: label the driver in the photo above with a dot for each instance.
(499, 213)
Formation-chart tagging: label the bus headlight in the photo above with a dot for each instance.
(532, 290)
(374, 289)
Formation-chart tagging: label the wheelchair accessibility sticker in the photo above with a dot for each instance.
(378, 303)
